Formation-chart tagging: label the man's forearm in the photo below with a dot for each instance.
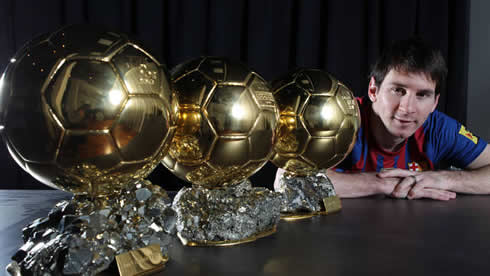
(475, 181)
(360, 184)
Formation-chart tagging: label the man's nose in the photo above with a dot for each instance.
(408, 103)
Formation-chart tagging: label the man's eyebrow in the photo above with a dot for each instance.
(425, 91)
(397, 84)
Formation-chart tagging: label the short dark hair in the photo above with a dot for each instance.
(412, 56)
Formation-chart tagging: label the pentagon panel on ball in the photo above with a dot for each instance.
(318, 124)
(86, 110)
(225, 125)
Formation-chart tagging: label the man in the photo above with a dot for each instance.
(403, 137)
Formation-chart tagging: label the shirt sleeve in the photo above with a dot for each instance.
(451, 141)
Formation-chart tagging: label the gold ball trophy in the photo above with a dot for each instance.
(225, 131)
(88, 112)
(318, 124)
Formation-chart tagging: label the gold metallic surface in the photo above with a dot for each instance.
(227, 243)
(332, 204)
(143, 261)
(298, 216)
(225, 122)
(85, 110)
(318, 124)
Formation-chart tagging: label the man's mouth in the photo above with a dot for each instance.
(404, 120)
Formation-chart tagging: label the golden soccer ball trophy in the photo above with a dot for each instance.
(225, 123)
(319, 120)
(225, 131)
(88, 111)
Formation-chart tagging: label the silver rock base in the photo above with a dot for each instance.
(225, 216)
(304, 193)
(80, 237)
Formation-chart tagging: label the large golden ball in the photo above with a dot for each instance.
(319, 120)
(225, 125)
(85, 110)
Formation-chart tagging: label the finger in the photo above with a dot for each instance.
(417, 187)
(442, 195)
(425, 181)
(401, 190)
(395, 173)
(388, 185)
(436, 194)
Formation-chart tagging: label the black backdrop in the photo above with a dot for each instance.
(271, 36)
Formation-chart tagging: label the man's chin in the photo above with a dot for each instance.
(402, 134)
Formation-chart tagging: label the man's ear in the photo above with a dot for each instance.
(436, 101)
(372, 90)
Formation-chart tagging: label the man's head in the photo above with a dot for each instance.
(411, 56)
(404, 88)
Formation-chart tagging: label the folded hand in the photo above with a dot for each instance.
(414, 185)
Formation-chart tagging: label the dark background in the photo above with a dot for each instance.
(271, 36)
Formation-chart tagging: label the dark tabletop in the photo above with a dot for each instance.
(370, 236)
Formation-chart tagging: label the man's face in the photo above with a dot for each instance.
(403, 102)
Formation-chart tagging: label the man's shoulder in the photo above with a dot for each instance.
(450, 140)
(440, 114)
(439, 121)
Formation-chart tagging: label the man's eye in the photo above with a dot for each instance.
(423, 95)
(399, 91)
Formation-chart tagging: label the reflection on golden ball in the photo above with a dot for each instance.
(85, 110)
(319, 120)
(225, 125)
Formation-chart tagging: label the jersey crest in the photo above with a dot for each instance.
(414, 167)
(467, 134)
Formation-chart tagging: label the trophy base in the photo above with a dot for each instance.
(226, 216)
(83, 236)
(228, 243)
(142, 261)
(307, 196)
(300, 215)
(332, 205)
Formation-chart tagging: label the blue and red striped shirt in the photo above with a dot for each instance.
(440, 138)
